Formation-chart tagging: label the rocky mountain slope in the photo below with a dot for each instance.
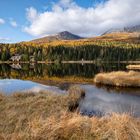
(60, 36)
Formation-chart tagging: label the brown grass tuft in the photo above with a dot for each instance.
(119, 78)
(133, 67)
(23, 95)
(73, 126)
(2, 96)
(19, 109)
(75, 94)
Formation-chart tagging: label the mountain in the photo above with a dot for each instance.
(129, 29)
(112, 30)
(129, 34)
(132, 29)
(60, 36)
(67, 36)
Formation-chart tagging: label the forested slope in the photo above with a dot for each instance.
(86, 49)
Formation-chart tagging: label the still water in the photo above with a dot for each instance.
(98, 100)
(22, 71)
(10, 86)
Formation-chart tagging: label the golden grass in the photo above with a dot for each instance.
(120, 36)
(76, 127)
(19, 109)
(133, 67)
(119, 78)
(47, 116)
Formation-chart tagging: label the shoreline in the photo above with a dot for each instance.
(68, 62)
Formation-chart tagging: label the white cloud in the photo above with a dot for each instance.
(13, 23)
(67, 15)
(2, 39)
(31, 14)
(2, 21)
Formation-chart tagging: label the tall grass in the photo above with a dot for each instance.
(19, 109)
(48, 116)
(76, 127)
(119, 78)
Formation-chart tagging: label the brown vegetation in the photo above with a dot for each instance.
(19, 109)
(46, 116)
(76, 127)
(129, 37)
(133, 67)
(119, 78)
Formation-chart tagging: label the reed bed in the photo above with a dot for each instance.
(119, 78)
(133, 67)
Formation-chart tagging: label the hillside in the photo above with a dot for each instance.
(129, 29)
(132, 29)
(58, 37)
(129, 37)
(126, 34)
(119, 35)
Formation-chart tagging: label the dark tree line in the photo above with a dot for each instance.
(104, 51)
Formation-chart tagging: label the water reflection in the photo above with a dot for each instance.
(9, 86)
(20, 71)
(99, 101)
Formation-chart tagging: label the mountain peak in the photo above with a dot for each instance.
(65, 35)
(64, 32)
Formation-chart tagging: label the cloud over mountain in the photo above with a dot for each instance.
(67, 15)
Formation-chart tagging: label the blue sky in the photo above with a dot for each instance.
(22, 20)
(15, 10)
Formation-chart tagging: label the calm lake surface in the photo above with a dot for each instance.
(98, 100)
(22, 71)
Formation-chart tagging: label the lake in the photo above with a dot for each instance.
(58, 77)
(35, 71)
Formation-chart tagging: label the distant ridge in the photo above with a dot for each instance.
(128, 29)
(132, 29)
(65, 35)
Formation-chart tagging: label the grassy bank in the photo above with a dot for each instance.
(119, 78)
(133, 67)
(76, 127)
(47, 116)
